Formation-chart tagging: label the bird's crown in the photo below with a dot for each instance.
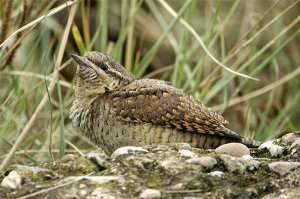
(99, 73)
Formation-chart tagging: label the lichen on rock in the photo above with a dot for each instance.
(174, 171)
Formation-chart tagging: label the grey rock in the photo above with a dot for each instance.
(12, 181)
(295, 144)
(126, 150)
(233, 149)
(93, 179)
(275, 150)
(181, 145)
(187, 153)
(168, 164)
(162, 168)
(219, 174)
(283, 168)
(239, 164)
(100, 159)
(150, 194)
(289, 138)
(206, 162)
(178, 186)
(32, 169)
(247, 157)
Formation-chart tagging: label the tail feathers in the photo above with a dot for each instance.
(251, 143)
(248, 142)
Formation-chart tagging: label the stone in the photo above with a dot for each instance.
(161, 168)
(206, 162)
(12, 181)
(150, 194)
(168, 165)
(289, 138)
(246, 157)
(126, 150)
(238, 164)
(295, 144)
(233, 149)
(275, 150)
(67, 158)
(100, 159)
(93, 179)
(32, 169)
(178, 186)
(181, 145)
(283, 168)
(187, 153)
(219, 174)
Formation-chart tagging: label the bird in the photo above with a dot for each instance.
(113, 109)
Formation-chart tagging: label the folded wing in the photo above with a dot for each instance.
(156, 102)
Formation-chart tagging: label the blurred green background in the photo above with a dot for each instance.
(256, 38)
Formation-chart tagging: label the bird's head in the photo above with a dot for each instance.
(98, 73)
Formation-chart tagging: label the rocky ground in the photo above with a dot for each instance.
(157, 171)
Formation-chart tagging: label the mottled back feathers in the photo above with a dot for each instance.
(156, 102)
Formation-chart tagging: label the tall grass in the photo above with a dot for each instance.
(256, 38)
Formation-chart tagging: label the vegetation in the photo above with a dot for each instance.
(255, 38)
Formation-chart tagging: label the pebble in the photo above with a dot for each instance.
(32, 169)
(187, 153)
(275, 150)
(178, 186)
(126, 150)
(283, 168)
(238, 164)
(289, 138)
(67, 158)
(93, 179)
(12, 181)
(247, 157)
(219, 174)
(150, 194)
(168, 164)
(100, 159)
(181, 145)
(233, 149)
(295, 144)
(206, 162)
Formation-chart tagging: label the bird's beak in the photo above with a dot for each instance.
(80, 60)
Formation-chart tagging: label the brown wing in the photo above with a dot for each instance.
(156, 102)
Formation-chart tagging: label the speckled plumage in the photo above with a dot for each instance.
(114, 109)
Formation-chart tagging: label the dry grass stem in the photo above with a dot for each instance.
(74, 147)
(30, 123)
(198, 38)
(262, 90)
(55, 187)
(33, 23)
(39, 76)
(258, 33)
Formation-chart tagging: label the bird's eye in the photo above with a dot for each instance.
(104, 67)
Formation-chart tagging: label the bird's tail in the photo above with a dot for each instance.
(251, 143)
(248, 142)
